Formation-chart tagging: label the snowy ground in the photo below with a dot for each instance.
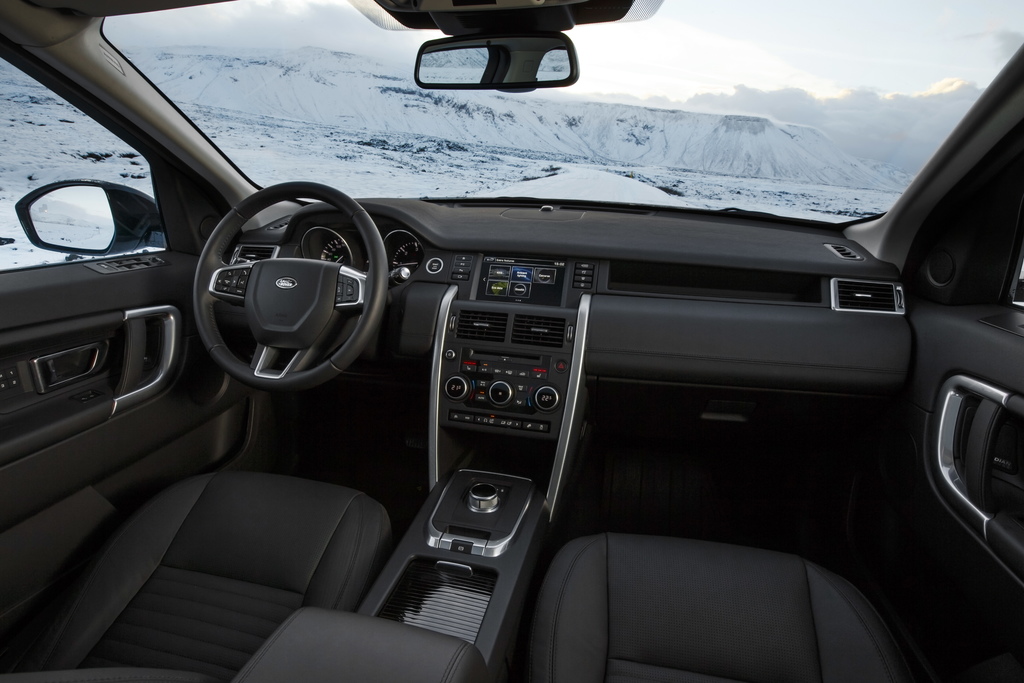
(44, 140)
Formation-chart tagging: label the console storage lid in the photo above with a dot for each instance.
(322, 646)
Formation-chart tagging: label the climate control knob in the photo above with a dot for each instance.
(457, 388)
(500, 393)
(546, 399)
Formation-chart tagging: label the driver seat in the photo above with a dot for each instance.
(199, 578)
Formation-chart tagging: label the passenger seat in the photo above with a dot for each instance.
(623, 608)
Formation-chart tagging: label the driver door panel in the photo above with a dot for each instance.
(115, 399)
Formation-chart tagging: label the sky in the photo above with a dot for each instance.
(885, 79)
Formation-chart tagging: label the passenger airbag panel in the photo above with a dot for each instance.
(752, 345)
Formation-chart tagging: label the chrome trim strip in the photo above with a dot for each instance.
(262, 362)
(953, 392)
(898, 297)
(441, 335)
(170, 349)
(572, 418)
(490, 548)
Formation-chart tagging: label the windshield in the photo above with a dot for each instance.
(822, 111)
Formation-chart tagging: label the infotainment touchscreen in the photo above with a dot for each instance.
(522, 280)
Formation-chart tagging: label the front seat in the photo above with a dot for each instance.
(644, 608)
(198, 578)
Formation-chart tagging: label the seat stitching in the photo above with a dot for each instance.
(454, 660)
(124, 619)
(168, 652)
(558, 602)
(105, 557)
(370, 575)
(176, 634)
(157, 579)
(814, 624)
(352, 557)
(149, 677)
(261, 653)
(856, 611)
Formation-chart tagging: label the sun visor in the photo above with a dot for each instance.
(110, 8)
(467, 17)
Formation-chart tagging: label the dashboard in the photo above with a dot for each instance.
(534, 319)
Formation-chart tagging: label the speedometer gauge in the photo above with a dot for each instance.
(336, 250)
(327, 245)
(403, 250)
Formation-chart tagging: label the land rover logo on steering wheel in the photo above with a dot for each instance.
(286, 282)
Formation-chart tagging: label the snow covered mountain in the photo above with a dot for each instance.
(354, 94)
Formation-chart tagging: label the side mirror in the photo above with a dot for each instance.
(89, 217)
(522, 62)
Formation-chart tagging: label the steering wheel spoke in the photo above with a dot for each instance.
(272, 363)
(229, 283)
(351, 289)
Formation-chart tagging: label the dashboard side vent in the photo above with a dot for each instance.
(867, 297)
(250, 253)
(482, 325)
(538, 330)
(844, 252)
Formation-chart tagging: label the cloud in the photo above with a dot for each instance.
(897, 128)
(273, 24)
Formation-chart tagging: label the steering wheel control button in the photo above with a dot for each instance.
(500, 393)
(348, 290)
(483, 498)
(457, 388)
(546, 399)
(231, 281)
(434, 266)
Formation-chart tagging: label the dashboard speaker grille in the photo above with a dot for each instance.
(858, 295)
(538, 330)
(482, 325)
(445, 602)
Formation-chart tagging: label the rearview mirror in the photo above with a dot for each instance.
(522, 62)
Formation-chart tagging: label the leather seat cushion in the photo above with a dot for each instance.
(197, 579)
(642, 608)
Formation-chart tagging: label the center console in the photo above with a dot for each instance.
(506, 415)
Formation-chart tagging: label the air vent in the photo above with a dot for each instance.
(844, 252)
(248, 253)
(482, 325)
(538, 330)
(870, 297)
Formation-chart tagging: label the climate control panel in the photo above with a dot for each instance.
(492, 389)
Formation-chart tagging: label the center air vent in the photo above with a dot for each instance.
(538, 330)
(482, 325)
(872, 297)
(249, 253)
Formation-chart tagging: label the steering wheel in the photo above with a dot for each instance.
(294, 306)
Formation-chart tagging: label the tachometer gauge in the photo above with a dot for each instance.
(403, 250)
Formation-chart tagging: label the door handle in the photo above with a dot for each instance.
(58, 369)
